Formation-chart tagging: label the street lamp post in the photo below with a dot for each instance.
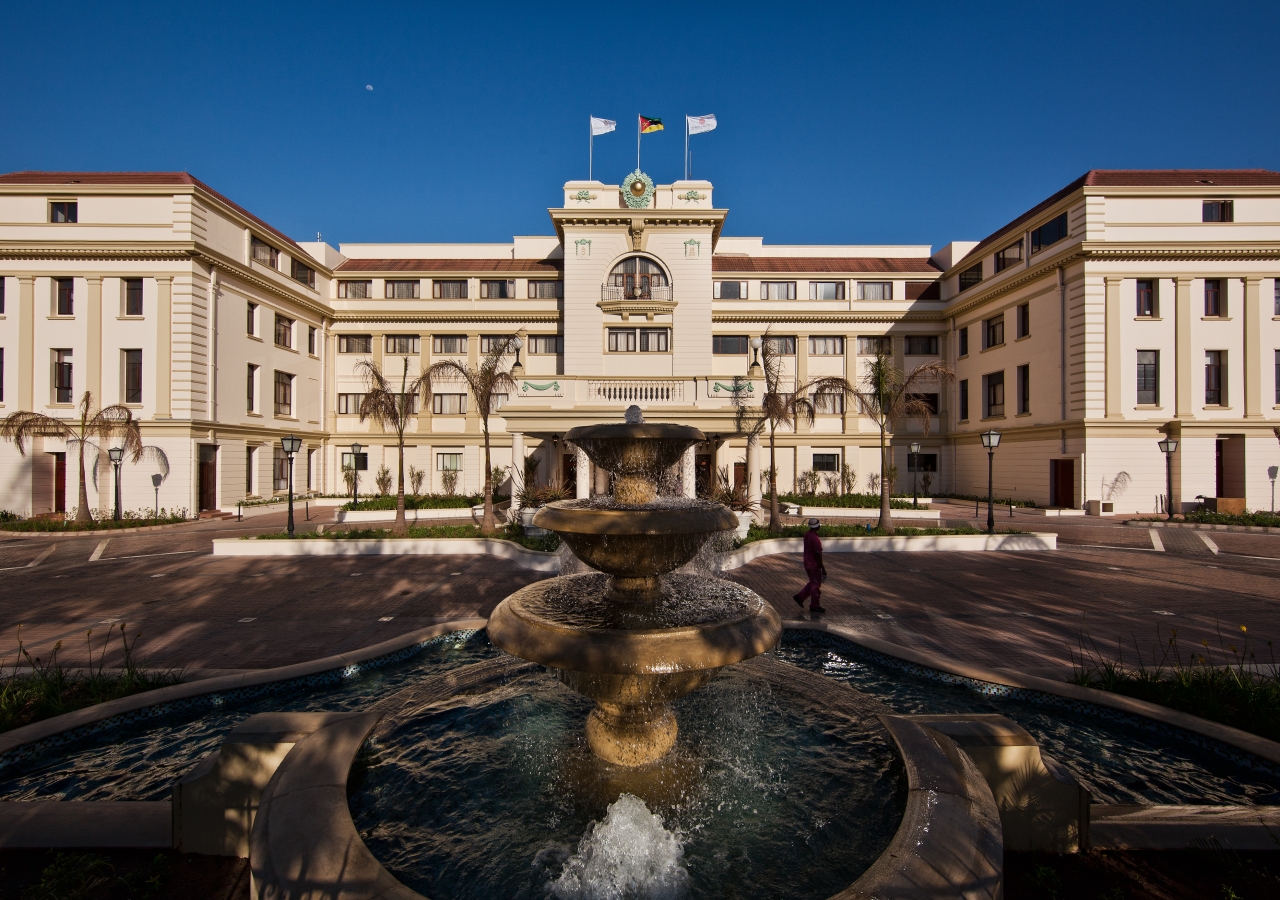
(355, 474)
(991, 440)
(290, 445)
(155, 483)
(117, 456)
(913, 461)
(1167, 447)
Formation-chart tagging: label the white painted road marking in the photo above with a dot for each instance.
(250, 619)
(1155, 540)
(97, 551)
(1208, 542)
(386, 618)
(35, 562)
(145, 555)
(1162, 612)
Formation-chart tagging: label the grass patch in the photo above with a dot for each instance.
(50, 689)
(1226, 684)
(842, 501)
(1256, 518)
(999, 501)
(422, 501)
(549, 543)
(96, 525)
(758, 533)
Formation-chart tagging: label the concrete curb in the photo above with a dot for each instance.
(100, 532)
(733, 559)
(533, 560)
(1250, 744)
(1202, 526)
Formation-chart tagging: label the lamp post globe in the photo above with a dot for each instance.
(991, 440)
(913, 463)
(290, 445)
(516, 345)
(756, 344)
(116, 455)
(1168, 447)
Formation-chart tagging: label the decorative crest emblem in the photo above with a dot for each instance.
(637, 190)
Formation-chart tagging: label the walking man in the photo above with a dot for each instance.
(814, 568)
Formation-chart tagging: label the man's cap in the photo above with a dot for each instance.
(814, 523)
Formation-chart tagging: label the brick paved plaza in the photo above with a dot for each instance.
(1004, 610)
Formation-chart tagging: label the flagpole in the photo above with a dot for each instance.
(591, 147)
(637, 143)
(686, 148)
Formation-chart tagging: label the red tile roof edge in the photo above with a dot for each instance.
(63, 179)
(823, 264)
(545, 266)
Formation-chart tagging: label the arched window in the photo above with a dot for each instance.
(639, 277)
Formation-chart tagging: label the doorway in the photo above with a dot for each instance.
(702, 474)
(1062, 483)
(207, 477)
(60, 482)
(739, 476)
(1229, 457)
(569, 473)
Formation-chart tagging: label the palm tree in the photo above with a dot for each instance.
(485, 383)
(392, 410)
(95, 428)
(889, 396)
(778, 409)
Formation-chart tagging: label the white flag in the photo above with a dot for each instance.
(604, 126)
(699, 124)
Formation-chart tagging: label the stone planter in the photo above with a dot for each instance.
(744, 523)
(526, 520)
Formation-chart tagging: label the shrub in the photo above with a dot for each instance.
(383, 480)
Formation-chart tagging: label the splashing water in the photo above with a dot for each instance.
(628, 856)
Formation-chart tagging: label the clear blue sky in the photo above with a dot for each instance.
(896, 122)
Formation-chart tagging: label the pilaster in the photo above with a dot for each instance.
(164, 346)
(26, 340)
(1112, 359)
(1253, 348)
(1182, 352)
(93, 340)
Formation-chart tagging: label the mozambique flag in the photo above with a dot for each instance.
(648, 125)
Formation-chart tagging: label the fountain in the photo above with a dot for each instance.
(638, 636)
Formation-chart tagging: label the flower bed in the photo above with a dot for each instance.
(1257, 518)
(845, 501)
(757, 533)
(515, 534)
(384, 502)
(127, 520)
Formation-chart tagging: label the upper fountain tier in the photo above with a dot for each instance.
(636, 453)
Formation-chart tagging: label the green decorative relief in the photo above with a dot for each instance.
(582, 195)
(549, 386)
(694, 195)
(734, 389)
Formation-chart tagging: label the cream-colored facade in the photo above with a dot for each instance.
(220, 292)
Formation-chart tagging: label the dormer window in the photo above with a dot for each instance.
(1210, 211)
(1009, 257)
(1049, 233)
(64, 212)
(639, 278)
(971, 276)
(264, 253)
(302, 273)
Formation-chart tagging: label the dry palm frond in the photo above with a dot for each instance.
(392, 409)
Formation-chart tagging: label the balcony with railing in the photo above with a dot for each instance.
(634, 391)
(612, 293)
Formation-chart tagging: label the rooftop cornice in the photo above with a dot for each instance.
(826, 318)
(446, 317)
(656, 218)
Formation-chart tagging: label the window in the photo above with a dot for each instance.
(488, 342)
(994, 394)
(497, 290)
(64, 212)
(2, 281)
(1024, 389)
(1277, 376)
(349, 404)
(729, 290)
(449, 404)
(729, 344)
(402, 344)
(1024, 320)
(1213, 305)
(251, 398)
(133, 296)
(875, 346)
(449, 344)
(929, 400)
(1008, 257)
(875, 290)
(355, 343)
(284, 394)
(1215, 378)
(922, 462)
(1211, 211)
(993, 331)
(922, 345)
(449, 462)
(622, 340)
(355, 290)
(311, 470)
(280, 469)
(828, 403)
(497, 401)
(62, 376)
(1148, 377)
(302, 273)
(284, 331)
(971, 276)
(2, 372)
(964, 400)
(1146, 298)
(248, 469)
(826, 462)
(449, 290)
(251, 319)
(777, 290)
(66, 288)
(1049, 233)
(550, 290)
(412, 290)
(264, 253)
(635, 277)
(826, 346)
(311, 340)
(826, 290)
(546, 343)
(411, 402)
(132, 376)
(782, 346)
(964, 341)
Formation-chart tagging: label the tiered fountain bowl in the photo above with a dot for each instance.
(639, 635)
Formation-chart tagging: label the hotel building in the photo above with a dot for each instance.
(1129, 306)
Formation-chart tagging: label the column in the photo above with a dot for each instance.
(517, 472)
(688, 476)
(1253, 348)
(26, 340)
(583, 474)
(1183, 363)
(93, 340)
(852, 421)
(1113, 362)
(164, 347)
